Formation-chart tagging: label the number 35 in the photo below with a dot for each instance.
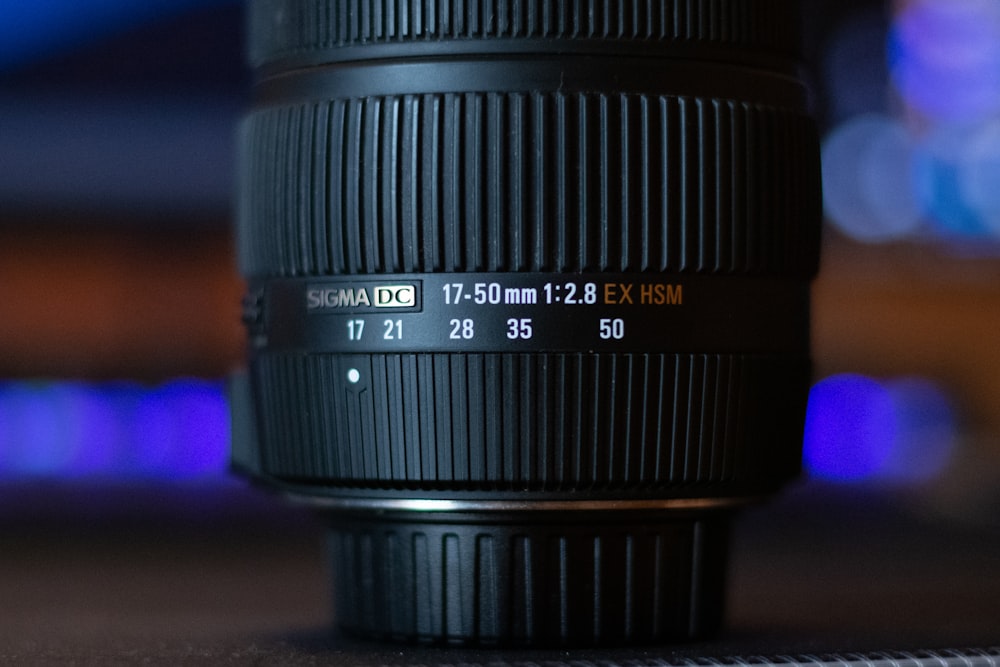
(519, 329)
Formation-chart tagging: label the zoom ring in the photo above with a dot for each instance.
(539, 422)
(283, 29)
(507, 583)
(567, 182)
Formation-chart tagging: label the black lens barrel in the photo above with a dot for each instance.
(528, 181)
(614, 425)
(286, 35)
(584, 174)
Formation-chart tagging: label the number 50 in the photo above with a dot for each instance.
(612, 329)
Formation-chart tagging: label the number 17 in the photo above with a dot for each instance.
(354, 329)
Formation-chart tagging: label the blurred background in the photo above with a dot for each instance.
(121, 301)
(117, 277)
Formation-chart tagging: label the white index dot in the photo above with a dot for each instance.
(354, 376)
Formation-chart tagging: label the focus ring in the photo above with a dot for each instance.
(325, 30)
(539, 422)
(528, 182)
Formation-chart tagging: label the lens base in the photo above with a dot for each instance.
(529, 578)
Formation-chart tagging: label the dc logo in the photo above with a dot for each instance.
(395, 296)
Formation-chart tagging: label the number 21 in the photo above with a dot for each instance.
(393, 330)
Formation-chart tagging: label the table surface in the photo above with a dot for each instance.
(216, 573)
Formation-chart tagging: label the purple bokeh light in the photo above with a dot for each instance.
(944, 57)
(68, 430)
(859, 429)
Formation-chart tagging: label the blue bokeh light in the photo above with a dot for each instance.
(930, 172)
(859, 429)
(868, 183)
(31, 441)
(926, 430)
(979, 174)
(32, 29)
(957, 169)
(99, 431)
(114, 430)
(178, 428)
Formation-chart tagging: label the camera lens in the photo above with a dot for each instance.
(528, 302)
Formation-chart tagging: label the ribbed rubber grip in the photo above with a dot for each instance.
(326, 29)
(529, 182)
(558, 581)
(659, 139)
(625, 423)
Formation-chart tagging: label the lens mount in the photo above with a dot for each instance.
(529, 578)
